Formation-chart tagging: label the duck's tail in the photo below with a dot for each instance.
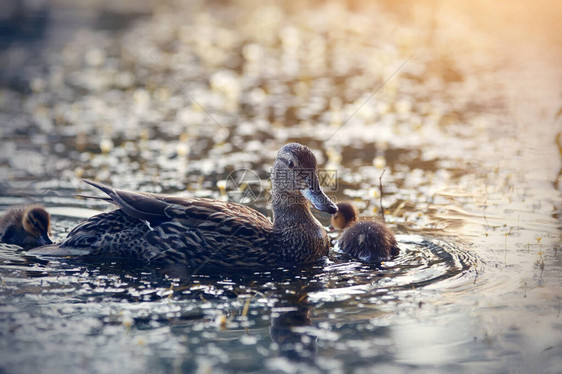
(105, 188)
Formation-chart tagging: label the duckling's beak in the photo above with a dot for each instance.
(44, 239)
(320, 200)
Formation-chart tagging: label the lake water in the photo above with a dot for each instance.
(456, 109)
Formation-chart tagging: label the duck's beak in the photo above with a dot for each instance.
(44, 239)
(319, 199)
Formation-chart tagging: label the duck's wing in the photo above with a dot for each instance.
(190, 212)
(136, 204)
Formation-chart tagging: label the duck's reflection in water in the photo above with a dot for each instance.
(289, 330)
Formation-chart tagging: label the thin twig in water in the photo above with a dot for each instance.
(381, 192)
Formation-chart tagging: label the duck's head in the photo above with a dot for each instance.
(345, 216)
(295, 178)
(36, 222)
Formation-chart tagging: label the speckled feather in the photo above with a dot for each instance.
(194, 232)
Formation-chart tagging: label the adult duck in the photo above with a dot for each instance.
(209, 233)
(367, 240)
(26, 226)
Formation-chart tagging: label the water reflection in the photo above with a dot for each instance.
(287, 297)
(465, 133)
(288, 330)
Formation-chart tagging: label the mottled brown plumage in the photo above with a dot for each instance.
(210, 233)
(26, 226)
(367, 240)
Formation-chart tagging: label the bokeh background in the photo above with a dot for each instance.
(460, 104)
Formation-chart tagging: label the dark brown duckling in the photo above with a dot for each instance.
(367, 240)
(26, 226)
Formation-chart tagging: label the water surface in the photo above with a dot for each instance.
(459, 109)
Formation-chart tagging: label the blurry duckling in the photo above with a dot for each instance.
(26, 226)
(367, 240)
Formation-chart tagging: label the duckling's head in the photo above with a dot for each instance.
(295, 179)
(36, 222)
(345, 216)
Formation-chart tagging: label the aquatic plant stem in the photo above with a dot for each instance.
(381, 193)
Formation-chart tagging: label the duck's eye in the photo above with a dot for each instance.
(291, 164)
